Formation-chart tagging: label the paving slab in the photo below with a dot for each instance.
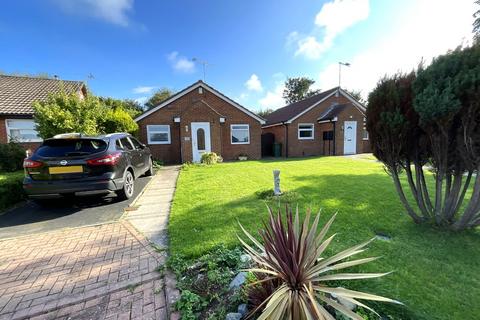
(153, 207)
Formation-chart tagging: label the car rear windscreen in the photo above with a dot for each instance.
(70, 147)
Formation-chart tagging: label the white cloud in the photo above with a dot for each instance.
(242, 98)
(181, 63)
(113, 11)
(273, 98)
(143, 89)
(142, 100)
(310, 47)
(254, 84)
(418, 33)
(333, 19)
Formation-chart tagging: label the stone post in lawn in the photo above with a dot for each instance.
(276, 183)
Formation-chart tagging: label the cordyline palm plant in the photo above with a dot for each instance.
(292, 255)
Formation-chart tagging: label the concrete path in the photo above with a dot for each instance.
(149, 214)
(151, 210)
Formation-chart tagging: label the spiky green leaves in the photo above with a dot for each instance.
(292, 253)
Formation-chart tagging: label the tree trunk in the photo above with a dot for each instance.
(471, 209)
(462, 195)
(438, 197)
(416, 191)
(448, 186)
(452, 197)
(403, 199)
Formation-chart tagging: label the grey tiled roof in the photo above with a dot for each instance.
(17, 93)
(288, 112)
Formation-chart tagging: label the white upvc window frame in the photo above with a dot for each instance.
(239, 124)
(150, 129)
(312, 129)
(9, 127)
(365, 137)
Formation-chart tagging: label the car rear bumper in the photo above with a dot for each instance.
(53, 189)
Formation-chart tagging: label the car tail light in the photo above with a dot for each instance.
(108, 160)
(27, 163)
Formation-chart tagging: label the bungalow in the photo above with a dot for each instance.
(329, 123)
(17, 94)
(197, 120)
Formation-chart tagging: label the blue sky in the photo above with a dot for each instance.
(133, 47)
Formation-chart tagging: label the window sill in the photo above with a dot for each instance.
(159, 142)
(239, 142)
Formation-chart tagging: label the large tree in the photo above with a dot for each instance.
(432, 118)
(132, 107)
(265, 112)
(357, 95)
(297, 89)
(158, 97)
(476, 23)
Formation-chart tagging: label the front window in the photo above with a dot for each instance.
(22, 130)
(365, 134)
(305, 131)
(240, 133)
(158, 134)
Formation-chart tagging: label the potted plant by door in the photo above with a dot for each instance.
(242, 157)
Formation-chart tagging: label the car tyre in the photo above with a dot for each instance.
(150, 169)
(128, 187)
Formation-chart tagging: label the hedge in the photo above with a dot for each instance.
(11, 190)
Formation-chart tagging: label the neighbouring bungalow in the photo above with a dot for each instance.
(329, 123)
(197, 120)
(17, 94)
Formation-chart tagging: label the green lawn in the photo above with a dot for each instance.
(436, 271)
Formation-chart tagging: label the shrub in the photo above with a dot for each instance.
(62, 113)
(204, 283)
(157, 164)
(11, 157)
(117, 120)
(432, 117)
(292, 253)
(189, 304)
(11, 190)
(211, 158)
(287, 197)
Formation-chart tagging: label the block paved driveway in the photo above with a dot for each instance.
(82, 211)
(98, 272)
(74, 270)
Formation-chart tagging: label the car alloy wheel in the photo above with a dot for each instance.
(129, 184)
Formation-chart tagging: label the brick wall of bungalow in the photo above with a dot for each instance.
(201, 107)
(317, 146)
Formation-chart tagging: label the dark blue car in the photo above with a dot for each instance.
(74, 164)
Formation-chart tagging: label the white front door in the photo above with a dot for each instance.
(200, 139)
(350, 137)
